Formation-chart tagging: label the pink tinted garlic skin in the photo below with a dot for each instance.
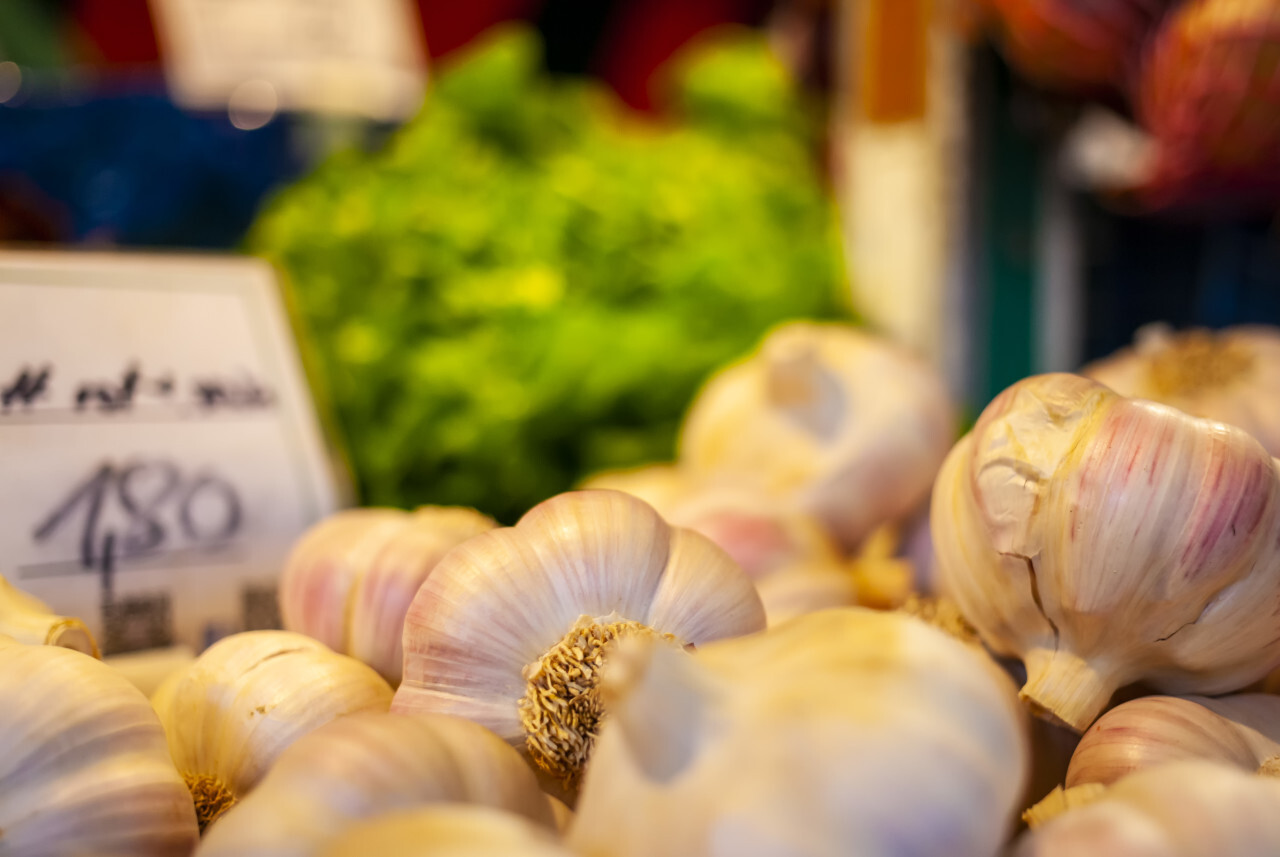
(1105, 540)
(350, 579)
(1241, 730)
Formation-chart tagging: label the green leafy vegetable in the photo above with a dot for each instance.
(528, 283)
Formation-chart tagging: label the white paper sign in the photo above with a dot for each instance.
(159, 452)
(361, 57)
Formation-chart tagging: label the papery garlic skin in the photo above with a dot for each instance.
(1241, 730)
(1180, 809)
(846, 731)
(1105, 540)
(446, 831)
(248, 697)
(349, 580)
(825, 420)
(495, 615)
(1231, 375)
(365, 765)
(27, 619)
(84, 766)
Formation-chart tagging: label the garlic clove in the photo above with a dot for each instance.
(324, 566)
(364, 765)
(827, 420)
(446, 831)
(511, 627)
(27, 619)
(248, 697)
(349, 580)
(381, 597)
(84, 765)
(1105, 540)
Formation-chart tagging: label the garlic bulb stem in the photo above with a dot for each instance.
(1066, 689)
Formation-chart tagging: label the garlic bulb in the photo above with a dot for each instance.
(349, 580)
(446, 831)
(1181, 809)
(365, 765)
(847, 731)
(84, 768)
(1241, 730)
(826, 420)
(1231, 375)
(26, 619)
(248, 697)
(1105, 540)
(511, 628)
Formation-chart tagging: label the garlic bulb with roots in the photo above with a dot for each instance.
(349, 579)
(245, 699)
(84, 766)
(1107, 540)
(365, 765)
(1180, 809)
(1230, 375)
(512, 627)
(827, 420)
(847, 731)
(27, 619)
(449, 830)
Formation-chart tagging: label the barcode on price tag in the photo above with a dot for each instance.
(158, 441)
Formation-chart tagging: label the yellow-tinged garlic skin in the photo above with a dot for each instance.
(827, 420)
(27, 619)
(499, 602)
(1231, 375)
(1106, 540)
(1181, 809)
(349, 580)
(846, 731)
(84, 766)
(231, 713)
(1241, 730)
(365, 765)
(446, 831)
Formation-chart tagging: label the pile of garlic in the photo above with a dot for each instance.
(654, 665)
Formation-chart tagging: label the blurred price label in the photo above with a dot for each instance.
(359, 57)
(158, 443)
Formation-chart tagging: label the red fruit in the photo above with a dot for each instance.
(1077, 45)
(1209, 92)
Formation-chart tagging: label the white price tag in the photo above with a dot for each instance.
(159, 448)
(361, 57)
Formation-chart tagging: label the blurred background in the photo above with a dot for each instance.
(516, 235)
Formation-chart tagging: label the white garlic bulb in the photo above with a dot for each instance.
(1107, 540)
(451, 830)
(1231, 375)
(349, 580)
(84, 767)
(1180, 809)
(847, 731)
(511, 628)
(827, 420)
(248, 697)
(27, 619)
(364, 765)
